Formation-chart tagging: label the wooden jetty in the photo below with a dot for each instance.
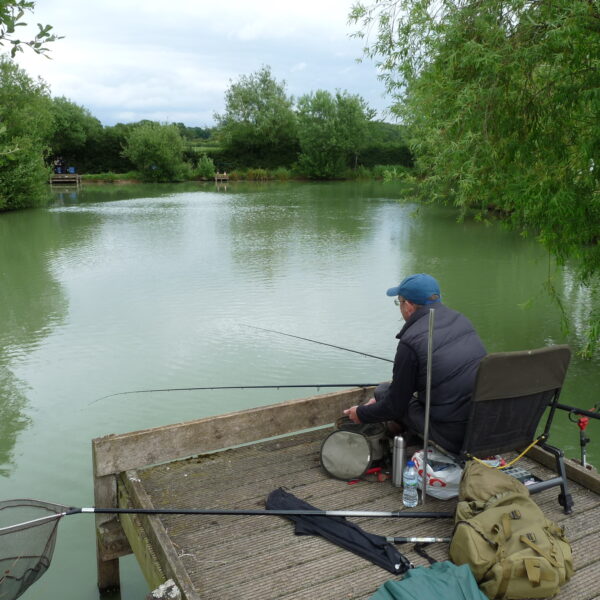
(234, 461)
(221, 177)
(65, 179)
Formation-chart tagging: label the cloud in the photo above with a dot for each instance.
(132, 59)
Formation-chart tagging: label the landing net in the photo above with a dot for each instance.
(27, 538)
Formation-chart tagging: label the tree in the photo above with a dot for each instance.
(156, 150)
(206, 167)
(25, 127)
(331, 130)
(11, 17)
(258, 126)
(501, 98)
(106, 153)
(76, 132)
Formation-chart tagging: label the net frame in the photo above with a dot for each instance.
(26, 548)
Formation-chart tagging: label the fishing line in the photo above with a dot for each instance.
(241, 387)
(317, 342)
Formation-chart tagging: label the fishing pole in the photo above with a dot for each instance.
(317, 342)
(580, 411)
(232, 512)
(417, 540)
(63, 511)
(26, 548)
(572, 409)
(263, 387)
(241, 387)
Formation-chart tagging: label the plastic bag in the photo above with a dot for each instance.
(443, 474)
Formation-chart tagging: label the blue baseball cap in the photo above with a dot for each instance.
(418, 289)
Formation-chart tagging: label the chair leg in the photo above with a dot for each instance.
(564, 498)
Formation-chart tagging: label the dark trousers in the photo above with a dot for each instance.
(448, 435)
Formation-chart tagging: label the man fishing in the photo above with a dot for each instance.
(457, 351)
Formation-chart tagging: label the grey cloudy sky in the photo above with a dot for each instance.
(172, 60)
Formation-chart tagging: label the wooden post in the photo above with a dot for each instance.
(105, 495)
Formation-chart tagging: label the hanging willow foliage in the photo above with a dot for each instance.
(502, 101)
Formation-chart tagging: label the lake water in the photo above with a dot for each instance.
(118, 288)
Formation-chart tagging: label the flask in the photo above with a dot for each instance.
(398, 460)
(410, 494)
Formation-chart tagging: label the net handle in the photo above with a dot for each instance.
(38, 521)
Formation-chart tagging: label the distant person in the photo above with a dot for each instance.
(457, 351)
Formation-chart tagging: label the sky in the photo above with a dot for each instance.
(173, 60)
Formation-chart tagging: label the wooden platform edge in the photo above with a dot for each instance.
(588, 478)
(168, 561)
(114, 454)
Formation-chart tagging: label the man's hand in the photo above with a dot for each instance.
(351, 412)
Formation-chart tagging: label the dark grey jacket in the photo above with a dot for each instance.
(457, 351)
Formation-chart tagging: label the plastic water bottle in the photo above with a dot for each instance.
(410, 493)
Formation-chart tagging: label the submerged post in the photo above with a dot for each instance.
(427, 402)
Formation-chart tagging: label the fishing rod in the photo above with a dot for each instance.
(593, 414)
(264, 387)
(241, 387)
(572, 409)
(417, 540)
(26, 548)
(223, 512)
(317, 342)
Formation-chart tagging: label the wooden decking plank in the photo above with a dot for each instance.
(256, 558)
(582, 524)
(583, 585)
(289, 578)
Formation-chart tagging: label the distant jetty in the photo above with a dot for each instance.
(65, 179)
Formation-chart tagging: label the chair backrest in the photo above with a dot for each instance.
(512, 391)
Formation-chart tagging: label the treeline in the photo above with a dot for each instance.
(321, 136)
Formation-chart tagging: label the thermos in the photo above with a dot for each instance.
(398, 460)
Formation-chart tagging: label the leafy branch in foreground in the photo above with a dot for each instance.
(501, 101)
(11, 18)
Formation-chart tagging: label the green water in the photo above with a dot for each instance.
(127, 288)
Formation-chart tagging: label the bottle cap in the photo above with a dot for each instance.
(410, 463)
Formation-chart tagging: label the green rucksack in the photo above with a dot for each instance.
(512, 549)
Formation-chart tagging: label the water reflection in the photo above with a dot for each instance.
(31, 304)
(272, 226)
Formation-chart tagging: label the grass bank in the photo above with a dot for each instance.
(382, 172)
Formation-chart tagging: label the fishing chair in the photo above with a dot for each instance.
(512, 392)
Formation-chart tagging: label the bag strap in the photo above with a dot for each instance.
(420, 550)
(506, 575)
(480, 531)
(531, 568)
(540, 551)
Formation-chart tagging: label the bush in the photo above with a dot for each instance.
(206, 167)
(385, 154)
(257, 175)
(25, 127)
(390, 172)
(282, 174)
(362, 172)
(157, 152)
(237, 175)
(110, 176)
